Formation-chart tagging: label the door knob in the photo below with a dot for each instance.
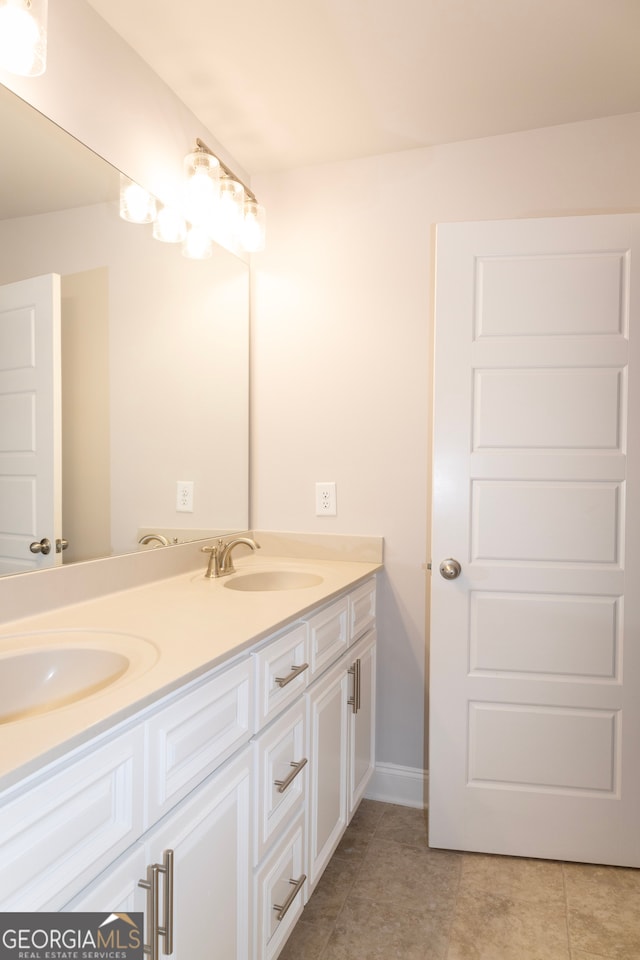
(41, 546)
(450, 569)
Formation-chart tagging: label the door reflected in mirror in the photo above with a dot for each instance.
(154, 355)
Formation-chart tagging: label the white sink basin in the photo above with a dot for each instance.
(273, 580)
(51, 670)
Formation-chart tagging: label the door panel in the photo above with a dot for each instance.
(535, 648)
(30, 422)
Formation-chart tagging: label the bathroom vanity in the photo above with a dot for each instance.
(210, 788)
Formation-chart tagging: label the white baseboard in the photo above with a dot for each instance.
(395, 784)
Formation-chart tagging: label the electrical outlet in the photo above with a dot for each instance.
(184, 496)
(326, 499)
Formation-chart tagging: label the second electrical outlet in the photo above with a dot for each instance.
(326, 499)
(184, 496)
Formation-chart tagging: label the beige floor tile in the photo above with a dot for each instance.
(403, 825)
(361, 830)
(535, 881)
(418, 878)
(307, 941)
(487, 927)
(375, 931)
(579, 955)
(603, 908)
(327, 899)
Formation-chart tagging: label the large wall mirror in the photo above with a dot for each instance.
(153, 359)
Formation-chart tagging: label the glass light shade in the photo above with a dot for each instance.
(170, 226)
(202, 187)
(23, 36)
(197, 244)
(137, 205)
(252, 234)
(226, 221)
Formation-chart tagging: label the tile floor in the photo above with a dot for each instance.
(386, 895)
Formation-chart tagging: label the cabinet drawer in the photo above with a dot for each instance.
(282, 672)
(281, 766)
(362, 609)
(195, 734)
(328, 635)
(279, 892)
(56, 836)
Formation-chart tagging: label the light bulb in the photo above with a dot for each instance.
(225, 223)
(201, 190)
(170, 226)
(137, 205)
(197, 244)
(23, 36)
(252, 234)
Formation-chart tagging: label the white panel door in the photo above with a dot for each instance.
(535, 646)
(30, 423)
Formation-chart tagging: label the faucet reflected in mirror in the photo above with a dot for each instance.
(159, 538)
(142, 332)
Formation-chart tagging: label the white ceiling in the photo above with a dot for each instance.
(284, 83)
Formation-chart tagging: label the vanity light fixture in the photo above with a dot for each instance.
(23, 37)
(237, 217)
(137, 205)
(202, 189)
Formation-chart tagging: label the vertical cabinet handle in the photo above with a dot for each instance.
(151, 886)
(297, 887)
(166, 930)
(355, 671)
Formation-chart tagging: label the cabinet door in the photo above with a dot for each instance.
(209, 834)
(362, 720)
(328, 732)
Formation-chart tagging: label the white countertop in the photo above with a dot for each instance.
(187, 625)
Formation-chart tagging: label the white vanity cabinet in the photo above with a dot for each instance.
(215, 810)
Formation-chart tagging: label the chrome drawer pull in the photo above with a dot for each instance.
(297, 887)
(151, 886)
(297, 767)
(295, 672)
(166, 930)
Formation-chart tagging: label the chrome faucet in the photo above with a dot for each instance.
(220, 559)
(150, 537)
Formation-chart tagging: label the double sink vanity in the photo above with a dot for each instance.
(190, 747)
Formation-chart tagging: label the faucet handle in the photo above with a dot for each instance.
(213, 567)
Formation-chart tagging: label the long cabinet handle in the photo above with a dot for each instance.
(297, 886)
(153, 932)
(355, 671)
(297, 767)
(166, 930)
(295, 672)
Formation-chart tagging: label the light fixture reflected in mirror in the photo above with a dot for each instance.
(137, 205)
(23, 36)
(197, 244)
(170, 226)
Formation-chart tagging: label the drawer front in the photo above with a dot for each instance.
(282, 772)
(328, 635)
(195, 734)
(279, 892)
(362, 609)
(282, 673)
(56, 836)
